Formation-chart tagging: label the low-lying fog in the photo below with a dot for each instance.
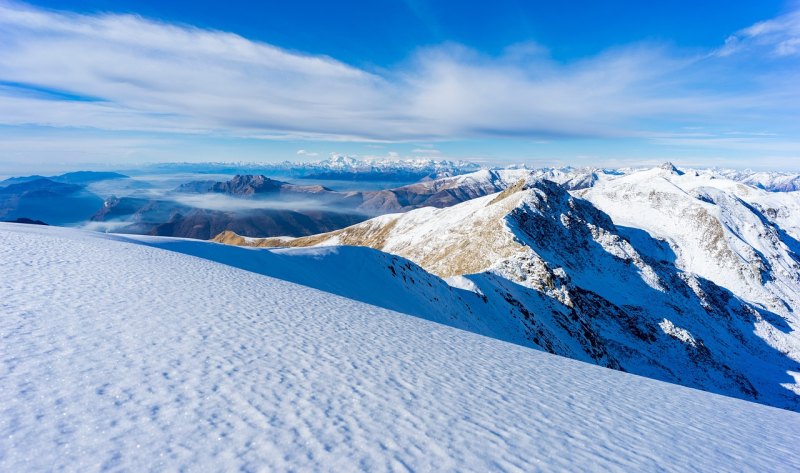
(147, 202)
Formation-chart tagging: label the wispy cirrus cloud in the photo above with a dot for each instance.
(779, 36)
(426, 151)
(302, 152)
(124, 72)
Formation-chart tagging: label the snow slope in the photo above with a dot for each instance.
(119, 355)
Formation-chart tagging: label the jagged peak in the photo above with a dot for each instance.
(251, 178)
(668, 166)
(531, 184)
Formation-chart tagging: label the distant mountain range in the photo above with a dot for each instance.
(257, 205)
(341, 167)
(277, 208)
(77, 177)
(336, 167)
(57, 200)
(771, 181)
(54, 202)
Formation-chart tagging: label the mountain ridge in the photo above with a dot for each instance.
(583, 287)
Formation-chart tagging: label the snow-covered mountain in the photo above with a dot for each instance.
(343, 167)
(768, 180)
(682, 277)
(336, 167)
(742, 238)
(448, 191)
(773, 181)
(578, 178)
(140, 353)
(440, 167)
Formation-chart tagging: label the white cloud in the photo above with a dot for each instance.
(142, 75)
(302, 152)
(780, 36)
(426, 151)
(726, 141)
(149, 75)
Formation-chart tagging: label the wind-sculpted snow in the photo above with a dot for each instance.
(695, 286)
(361, 274)
(118, 355)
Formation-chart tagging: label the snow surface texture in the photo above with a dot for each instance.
(123, 356)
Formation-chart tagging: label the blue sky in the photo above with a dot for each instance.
(548, 83)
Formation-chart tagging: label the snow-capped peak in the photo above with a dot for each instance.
(668, 166)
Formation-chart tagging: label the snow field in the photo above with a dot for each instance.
(121, 356)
